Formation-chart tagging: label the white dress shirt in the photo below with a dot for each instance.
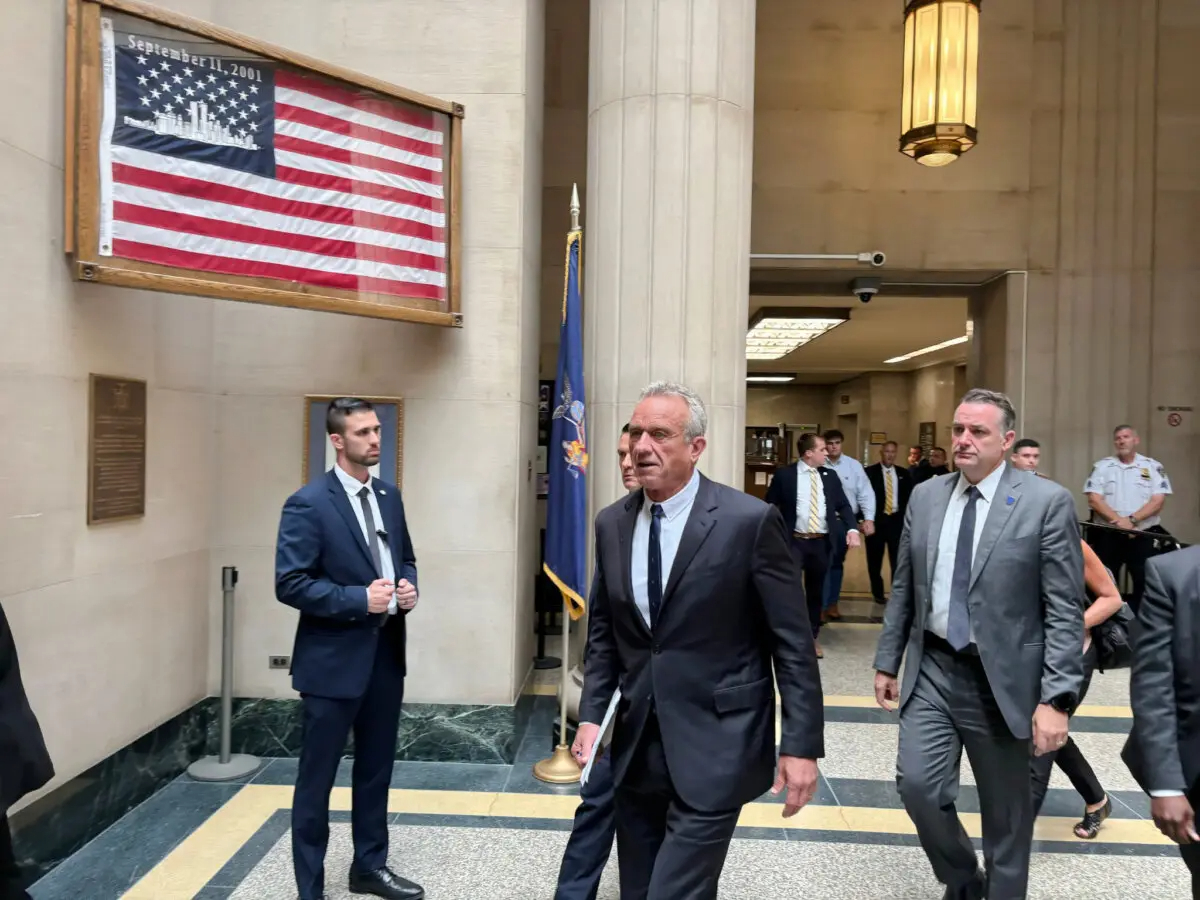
(804, 500)
(670, 532)
(353, 486)
(857, 485)
(943, 570)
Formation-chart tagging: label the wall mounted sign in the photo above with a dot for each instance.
(116, 449)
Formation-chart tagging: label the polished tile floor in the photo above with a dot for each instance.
(469, 831)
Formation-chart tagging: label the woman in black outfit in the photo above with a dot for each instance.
(1103, 602)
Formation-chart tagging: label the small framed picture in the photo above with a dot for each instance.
(878, 437)
(319, 455)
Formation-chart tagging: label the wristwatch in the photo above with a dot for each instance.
(1133, 521)
(1063, 703)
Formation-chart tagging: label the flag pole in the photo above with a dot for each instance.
(560, 767)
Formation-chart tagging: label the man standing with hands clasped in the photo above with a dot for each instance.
(694, 600)
(988, 602)
(344, 559)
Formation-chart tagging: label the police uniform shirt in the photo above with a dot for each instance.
(1126, 488)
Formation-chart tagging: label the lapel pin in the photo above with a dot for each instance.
(382, 492)
(1011, 500)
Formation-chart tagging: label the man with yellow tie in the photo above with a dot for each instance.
(892, 485)
(815, 508)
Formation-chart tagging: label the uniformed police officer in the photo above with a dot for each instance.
(1127, 491)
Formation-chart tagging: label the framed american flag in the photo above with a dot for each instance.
(201, 161)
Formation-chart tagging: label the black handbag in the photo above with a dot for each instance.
(1113, 638)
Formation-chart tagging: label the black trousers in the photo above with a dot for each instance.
(11, 885)
(1126, 551)
(1069, 758)
(375, 719)
(592, 835)
(1191, 852)
(812, 555)
(666, 849)
(886, 537)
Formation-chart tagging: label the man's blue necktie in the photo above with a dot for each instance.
(654, 587)
(958, 625)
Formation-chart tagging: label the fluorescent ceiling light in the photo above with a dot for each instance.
(770, 379)
(943, 345)
(776, 332)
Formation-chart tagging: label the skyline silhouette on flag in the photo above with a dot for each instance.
(566, 499)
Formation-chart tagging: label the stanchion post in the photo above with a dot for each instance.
(226, 766)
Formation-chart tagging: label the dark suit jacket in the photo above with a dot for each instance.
(1025, 596)
(729, 612)
(1163, 750)
(25, 765)
(839, 514)
(924, 470)
(322, 568)
(903, 481)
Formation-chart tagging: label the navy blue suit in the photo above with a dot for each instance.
(813, 554)
(348, 665)
(594, 828)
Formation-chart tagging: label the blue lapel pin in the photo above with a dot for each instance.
(1011, 500)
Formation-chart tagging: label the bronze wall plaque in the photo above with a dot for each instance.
(116, 449)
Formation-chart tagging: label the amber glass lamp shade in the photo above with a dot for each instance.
(941, 79)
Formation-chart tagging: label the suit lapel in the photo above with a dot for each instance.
(341, 502)
(625, 526)
(941, 502)
(998, 515)
(387, 512)
(699, 525)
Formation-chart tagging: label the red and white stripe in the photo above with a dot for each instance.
(357, 202)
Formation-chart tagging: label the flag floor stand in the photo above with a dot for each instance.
(560, 767)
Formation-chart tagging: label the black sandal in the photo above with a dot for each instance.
(1089, 827)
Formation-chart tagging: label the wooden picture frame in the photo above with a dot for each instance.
(83, 168)
(878, 437)
(317, 448)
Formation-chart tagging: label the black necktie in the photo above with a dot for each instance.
(372, 537)
(958, 624)
(654, 588)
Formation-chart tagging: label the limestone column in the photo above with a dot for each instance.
(667, 217)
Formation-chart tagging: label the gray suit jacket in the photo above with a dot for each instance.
(1026, 595)
(1163, 751)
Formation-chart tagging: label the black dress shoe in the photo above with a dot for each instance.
(975, 889)
(385, 883)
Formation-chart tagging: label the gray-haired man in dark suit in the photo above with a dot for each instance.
(987, 601)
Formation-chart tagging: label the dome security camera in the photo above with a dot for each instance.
(865, 288)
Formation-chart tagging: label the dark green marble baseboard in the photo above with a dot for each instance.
(58, 824)
(429, 732)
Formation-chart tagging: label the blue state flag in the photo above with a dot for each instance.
(566, 501)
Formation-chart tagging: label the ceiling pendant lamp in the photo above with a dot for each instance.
(941, 79)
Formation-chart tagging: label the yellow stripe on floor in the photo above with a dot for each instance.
(191, 865)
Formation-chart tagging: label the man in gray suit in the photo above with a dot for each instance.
(1163, 751)
(988, 602)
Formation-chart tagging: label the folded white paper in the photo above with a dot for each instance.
(605, 736)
